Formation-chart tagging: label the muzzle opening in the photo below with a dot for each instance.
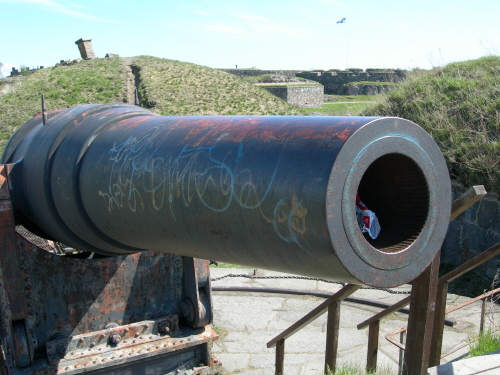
(395, 189)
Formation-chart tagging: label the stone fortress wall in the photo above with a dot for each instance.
(336, 81)
(310, 96)
(258, 72)
(344, 82)
(473, 232)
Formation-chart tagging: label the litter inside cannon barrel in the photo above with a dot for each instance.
(367, 220)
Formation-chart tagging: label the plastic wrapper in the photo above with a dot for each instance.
(367, 220)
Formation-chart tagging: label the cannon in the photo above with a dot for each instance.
(148, 199)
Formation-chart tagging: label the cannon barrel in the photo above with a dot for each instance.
(262, 191)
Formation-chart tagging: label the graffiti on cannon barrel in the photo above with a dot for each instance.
(214, 178)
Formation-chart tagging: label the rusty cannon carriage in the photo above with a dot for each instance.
(147, 200)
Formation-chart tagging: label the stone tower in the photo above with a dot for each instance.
(85, 47)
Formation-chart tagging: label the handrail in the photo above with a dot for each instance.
(466, 200)
(312, 315)
(450, 276)
(472, 300)
(389, 336)
(470, 264)
(332, 304)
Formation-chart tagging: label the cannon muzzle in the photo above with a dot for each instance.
(267, 192)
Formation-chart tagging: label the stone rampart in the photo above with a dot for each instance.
(473, 232)
(338, 82)
(355, 89)
(310, 96)
(258, 72)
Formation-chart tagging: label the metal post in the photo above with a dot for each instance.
(280, 357)
(401, 352)
(332, 336)
(44, 111)
(483, 315)
(371, 357)
(420, 321)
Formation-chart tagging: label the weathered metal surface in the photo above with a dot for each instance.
(84, 351)
(87, 294)
(270, 192)
(111, 315)
(280, 357)
(72, 301)
(197, 307)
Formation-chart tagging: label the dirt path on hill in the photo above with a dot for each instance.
(131, 79)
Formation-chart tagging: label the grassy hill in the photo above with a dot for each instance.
(459, 105)
(165, 86)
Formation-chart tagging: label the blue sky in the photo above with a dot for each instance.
(265, 34)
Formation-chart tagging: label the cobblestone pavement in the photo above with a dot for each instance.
(247, 321)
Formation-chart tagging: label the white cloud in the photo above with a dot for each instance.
(249, 26)
(225, 29)
(6, 69)
(78, 6)
(264, 26)
(61, 8)
(335, 3)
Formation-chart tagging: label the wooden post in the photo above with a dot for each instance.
(280, 357)
(483, 316)
(371, 356)
(332, 336)
(466, 200)
(420, 320)
(438, 327)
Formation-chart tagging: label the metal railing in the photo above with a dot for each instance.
(427, 291)
(400, 344)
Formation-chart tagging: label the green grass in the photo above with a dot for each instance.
(483, 344)
(287, 84)
(166, 87)
(171, 87)
(227, 265)
(340, 109)
(459, 105)
(372, 83)
(357, 98)
(341, 105)
(96, 81)
(356, 369)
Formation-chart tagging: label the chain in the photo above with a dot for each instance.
(304, 278)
